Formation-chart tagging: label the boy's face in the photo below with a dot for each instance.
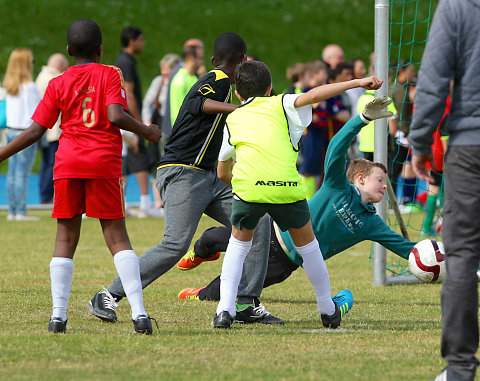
(319, 77)
(372, 187)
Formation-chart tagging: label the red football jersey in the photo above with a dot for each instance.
(90, 146)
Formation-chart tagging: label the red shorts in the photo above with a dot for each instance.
(98, 198)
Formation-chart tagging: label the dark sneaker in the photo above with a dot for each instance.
(258, 314)
(143, 325)
(222, 320)
(343, 303)
(56, 325)
(103, 306)
(332, 321)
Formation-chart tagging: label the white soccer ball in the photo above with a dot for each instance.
(427, 260)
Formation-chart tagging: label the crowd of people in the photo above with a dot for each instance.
(162, 102)
(176, 131)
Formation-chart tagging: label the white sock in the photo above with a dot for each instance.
(61, 272)
(126, 263)
(145, 202)
(317, 273)
(231, 273)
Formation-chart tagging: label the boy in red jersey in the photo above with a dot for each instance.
(88, 166)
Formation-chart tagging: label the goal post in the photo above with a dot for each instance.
(401, 30)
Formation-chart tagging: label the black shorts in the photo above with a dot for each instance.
(280, 267)
(138, 161)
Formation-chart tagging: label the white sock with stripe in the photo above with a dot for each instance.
(61, 273)
(126, 263)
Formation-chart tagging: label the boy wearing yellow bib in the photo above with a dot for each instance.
(265, 132)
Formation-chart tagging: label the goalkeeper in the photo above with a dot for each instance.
(342, 214)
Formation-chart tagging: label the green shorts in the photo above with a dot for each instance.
(287, 216)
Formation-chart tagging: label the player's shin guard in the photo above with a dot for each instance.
(126, 263)
(317, 273)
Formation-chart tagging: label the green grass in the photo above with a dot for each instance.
(392, 333)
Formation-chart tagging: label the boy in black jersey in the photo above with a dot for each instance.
(188, 183)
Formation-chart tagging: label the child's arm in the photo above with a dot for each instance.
(323, 92)
(31, 135)
(121, 119)
(215, 107)
(335, 158)
(381, 233)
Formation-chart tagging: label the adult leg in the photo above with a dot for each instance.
(461, 235)
(182, 212)
(52, 149)
(42, 175)
(12, 170)
(25, 160)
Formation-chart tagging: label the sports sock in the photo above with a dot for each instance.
(145, 202)
(430, 207)
(231, 273)
(61, 272)
(126, 263)
(317, 273)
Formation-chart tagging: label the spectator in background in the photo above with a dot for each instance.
(453, 53)
(314, 142)
(295, 76)
(332, 55)
(167, 123)
(56, 65)
(184, 79)
(402, 96)
(22, 100)
(358, 71)
(137, 157)
(154, 109)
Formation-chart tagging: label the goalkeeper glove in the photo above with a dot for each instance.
(377, 109)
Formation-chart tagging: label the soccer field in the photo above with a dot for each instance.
(391, 333)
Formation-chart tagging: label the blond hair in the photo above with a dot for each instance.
(19, 70)
(170, 59)
(362, 166)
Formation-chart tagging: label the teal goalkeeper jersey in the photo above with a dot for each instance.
(339, 217)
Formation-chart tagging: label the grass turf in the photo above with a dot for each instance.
(391, 333)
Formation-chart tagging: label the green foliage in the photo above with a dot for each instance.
(280, 32)
(391, 333)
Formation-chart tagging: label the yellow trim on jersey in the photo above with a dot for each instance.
(122, 81)
(212, 132)
(219, 74)
(180, 165)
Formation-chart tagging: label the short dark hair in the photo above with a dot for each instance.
(129, 33)
(190, 51)
(83, 37)
(334, 73)
(228, 48)
(252, 79)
